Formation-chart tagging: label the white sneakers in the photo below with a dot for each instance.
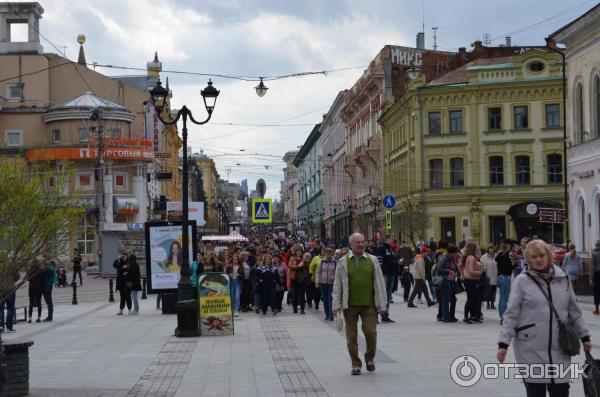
(120, 313)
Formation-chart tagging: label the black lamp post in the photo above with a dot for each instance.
(187, 306)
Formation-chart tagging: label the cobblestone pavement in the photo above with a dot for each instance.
(88, 351)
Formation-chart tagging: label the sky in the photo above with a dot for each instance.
(248, 135)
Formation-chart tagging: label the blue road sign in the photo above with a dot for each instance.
(389, 202)
(262, 211)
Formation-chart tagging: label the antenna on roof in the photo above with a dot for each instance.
(487, 39)
(435, 28)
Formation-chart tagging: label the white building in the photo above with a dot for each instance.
(582, 40)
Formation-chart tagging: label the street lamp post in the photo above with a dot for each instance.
(187, 306)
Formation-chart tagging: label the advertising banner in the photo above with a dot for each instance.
(216, 311)
(164, 254)
(195, 211)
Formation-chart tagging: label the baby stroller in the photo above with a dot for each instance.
(61, 276)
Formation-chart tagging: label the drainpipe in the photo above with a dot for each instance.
(422, 143)
(551, 45)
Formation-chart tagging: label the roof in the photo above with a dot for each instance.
(461, 74)
(310, 141)
(591, 10)
(89, 100)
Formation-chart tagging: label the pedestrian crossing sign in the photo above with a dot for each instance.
(262, 210)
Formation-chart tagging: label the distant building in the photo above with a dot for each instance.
(290, 191)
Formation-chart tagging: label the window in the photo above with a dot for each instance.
(14, 91)
(13, 138)
(86, 236)
(595, 106)
(578, 113)
(456, 121)
(495, 118)
(436, 174)
(435, 123)
(457, 172)
(521, 119)
(55, 136)
(496, 171)
(536, 66)
(554, 168)
(83, 135)
(553, 115)
(115, 132)
(84, 181)
(120, 181)
(523, 170)
(50, 182)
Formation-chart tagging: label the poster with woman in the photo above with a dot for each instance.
(164, 253)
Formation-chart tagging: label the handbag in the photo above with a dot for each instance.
(567, 336)
(437, 281)
(340, 323)
(303, 276)
(591, 378)
(458, 285)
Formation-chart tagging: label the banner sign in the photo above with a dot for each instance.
(164, 254)
(195, 211)
(216, 311)
(552, 215)
(89, 153)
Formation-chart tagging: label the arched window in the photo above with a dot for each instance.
(457, 172)
(523, 170)
(578, 113)
(496, 171)
(595, 106)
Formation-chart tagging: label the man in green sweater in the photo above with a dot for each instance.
(359, 290)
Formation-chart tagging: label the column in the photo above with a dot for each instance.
(139, 191)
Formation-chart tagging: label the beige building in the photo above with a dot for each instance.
(582, 40)
(478, 151)
(290, 192)
(210, 182)
(47, 115)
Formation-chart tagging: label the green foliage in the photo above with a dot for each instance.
(34, 220)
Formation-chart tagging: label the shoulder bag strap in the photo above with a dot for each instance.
(545, 295)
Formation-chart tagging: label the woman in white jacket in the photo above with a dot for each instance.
(531, 325)
(490, 267)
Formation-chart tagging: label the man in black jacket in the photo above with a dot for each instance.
(389, 267)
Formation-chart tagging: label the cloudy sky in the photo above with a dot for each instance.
(248, 135)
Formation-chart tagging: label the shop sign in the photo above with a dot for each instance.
(89, 153)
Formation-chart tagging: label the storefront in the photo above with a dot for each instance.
(526, 220)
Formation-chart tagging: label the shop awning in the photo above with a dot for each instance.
(234, 236)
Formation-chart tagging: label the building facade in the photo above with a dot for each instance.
(290, 192)
(210, 184)
(308, 162)
(477, 152)
(336, 180)
(582, 41)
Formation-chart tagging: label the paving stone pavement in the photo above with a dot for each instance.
(90, 352)
(296, 376)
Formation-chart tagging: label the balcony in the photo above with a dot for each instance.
(373, 147)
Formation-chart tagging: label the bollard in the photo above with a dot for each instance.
(144, 296)
(74, 293)
(111, 297)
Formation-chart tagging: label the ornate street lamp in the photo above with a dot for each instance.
(187, 305)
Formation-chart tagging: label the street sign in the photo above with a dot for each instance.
(388, 220)
(163, 176)
(389, 202)
(262, 210)
(551, 215)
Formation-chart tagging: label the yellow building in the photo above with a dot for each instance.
(477, 152)
(210, 182)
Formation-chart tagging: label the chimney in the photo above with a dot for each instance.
(421, 41)
(20, 13)
(477, 44)
(508, 41)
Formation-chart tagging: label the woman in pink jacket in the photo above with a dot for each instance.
(471, 274)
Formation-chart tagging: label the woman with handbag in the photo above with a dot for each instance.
(299, 276)
(543, 321)
(133, 283)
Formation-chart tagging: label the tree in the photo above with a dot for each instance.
(412, 222)
(37, 215)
